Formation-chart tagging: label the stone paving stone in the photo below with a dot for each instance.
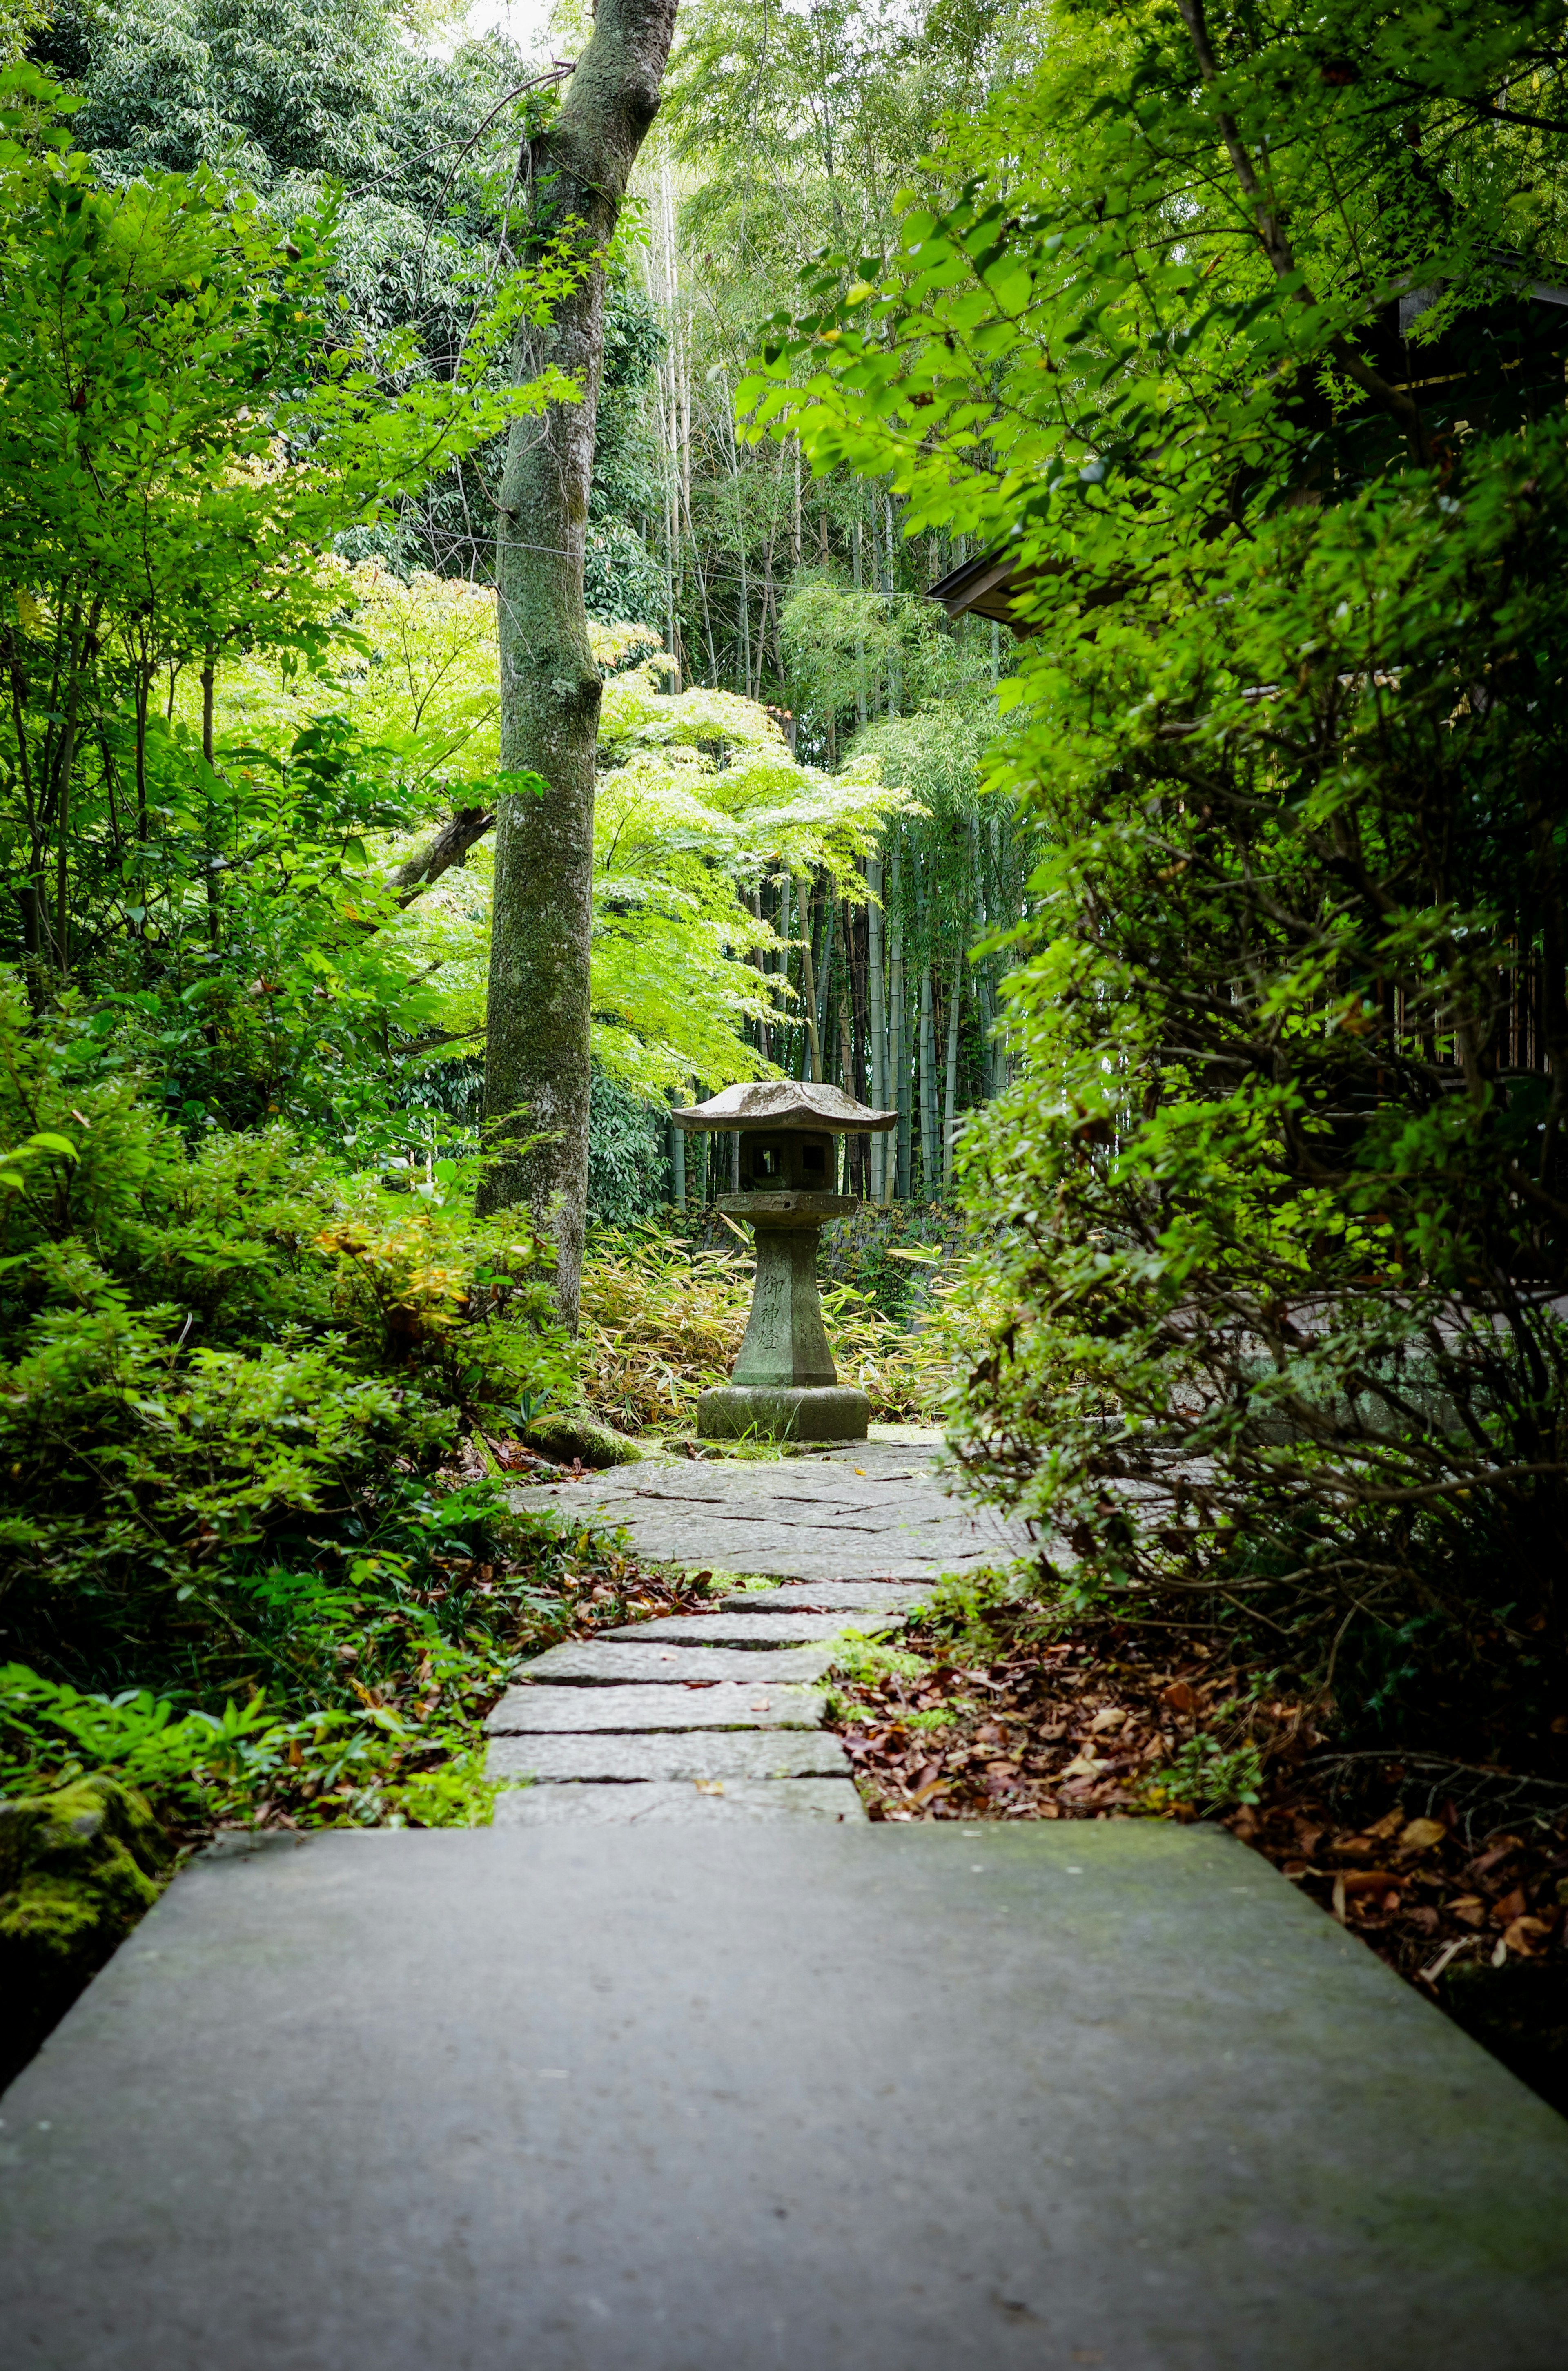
(755, 1628)
(841, 1596)
(593, 1663)
(805, 1518)
(774, 2097)
(541, 1711)
(664, 1803)
(699, 1753)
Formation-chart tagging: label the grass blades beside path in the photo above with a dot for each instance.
(664, 1314)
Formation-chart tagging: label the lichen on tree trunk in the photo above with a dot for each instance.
(537, 1059)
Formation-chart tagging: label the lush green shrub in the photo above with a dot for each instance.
(1234, 347)
(1286, 1205)
(628, 1168)
(218, 1361)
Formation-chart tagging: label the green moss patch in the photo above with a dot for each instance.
(78, 1868)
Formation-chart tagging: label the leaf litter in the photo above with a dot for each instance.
(1014, 1720)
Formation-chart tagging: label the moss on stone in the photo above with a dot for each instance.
(78, 1868)
(574, 1433)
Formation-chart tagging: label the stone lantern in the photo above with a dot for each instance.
(785, 1386)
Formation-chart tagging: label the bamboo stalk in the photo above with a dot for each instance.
(862, 706)
(950, 1128)
(810, 1047)
(877, 1020)
(824, 975)
(928, 1162)
(897, 1031)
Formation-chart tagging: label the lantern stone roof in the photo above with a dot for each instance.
(784, 1104)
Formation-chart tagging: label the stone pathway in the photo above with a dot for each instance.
(591, 1722)
(850, 1530)
(876, 1510)
(791, 2097)
(824, 2095)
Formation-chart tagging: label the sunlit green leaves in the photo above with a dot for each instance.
(1275, 1193)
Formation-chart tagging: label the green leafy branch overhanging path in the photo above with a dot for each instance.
(1285, 1168)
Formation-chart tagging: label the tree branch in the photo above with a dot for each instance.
(1485, 108)
(1276, 245)
(450, 845)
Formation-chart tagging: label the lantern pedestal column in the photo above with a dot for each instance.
(785, 1386)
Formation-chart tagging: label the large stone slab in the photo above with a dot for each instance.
(782, 1628)
(769, 2097)
(665, 1803)
(612, 1663)
(543, 1711)
(846, 1598)
(796, 1519)
(699, 1753)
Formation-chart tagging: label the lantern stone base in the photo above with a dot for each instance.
(785, 1386)
(783, 1412)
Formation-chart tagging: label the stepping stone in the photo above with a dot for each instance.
(754, 1629)
(593, 1663)
(538, 1711)
(920, 2097)
(848, 1596)
(702, 1754)
(802, 1519)
(665, 1803)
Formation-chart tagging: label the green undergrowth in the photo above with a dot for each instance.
(889, 1254)
(665, 1303)
(315, 1702)
(245, 1565)
(860, 1658)
(720, 1582)
(352, 1700)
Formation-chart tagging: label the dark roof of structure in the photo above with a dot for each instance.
(784, 1104)
(984, 587)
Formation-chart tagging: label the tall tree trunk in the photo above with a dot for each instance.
(536, 1055)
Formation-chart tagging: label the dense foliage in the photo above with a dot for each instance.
(261, 1370)
(1244, 367)
(251, 1342)
(241, 1394)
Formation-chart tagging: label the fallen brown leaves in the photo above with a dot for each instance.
(1072, 1729)
(1084, 1727)
(1424, 1894)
